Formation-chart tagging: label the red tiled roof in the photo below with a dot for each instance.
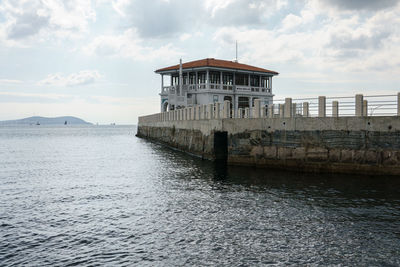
(217, 63)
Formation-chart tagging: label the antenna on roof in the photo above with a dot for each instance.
(236, 59)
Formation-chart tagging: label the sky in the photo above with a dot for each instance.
(95, 59)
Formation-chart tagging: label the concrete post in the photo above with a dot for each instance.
(193, 112)
(335, 109)
(294, 109)
(197, 112)
(263, 112)
(271, 111)
(227, 110)
(217, 110)
(210, 109)
(288, 108)
(257, 108)
(359, 104)
(246, 113)
(306, 109)
(365, 108)
(398, 104)
(321, 106)
(204, 112)
(240, 112)
(185, 114)
(281, 110)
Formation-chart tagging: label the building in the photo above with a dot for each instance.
(212, 80)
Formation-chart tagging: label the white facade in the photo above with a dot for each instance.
(206, 84)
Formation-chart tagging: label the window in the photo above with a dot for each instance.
(254, 80)
(243, 102)
(215, 77)
(202, 77)
(215, 98)
(242, 79)
(227, 78)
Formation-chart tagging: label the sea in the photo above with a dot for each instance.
(98, 195)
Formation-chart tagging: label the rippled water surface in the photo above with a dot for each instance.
(99, 195)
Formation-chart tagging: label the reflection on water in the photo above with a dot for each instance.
(99, 195)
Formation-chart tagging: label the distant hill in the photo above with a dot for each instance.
(45, 121)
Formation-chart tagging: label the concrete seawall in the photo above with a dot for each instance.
(369, 145)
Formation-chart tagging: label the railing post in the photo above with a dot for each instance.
(281, 110)
(294, 109)
(210, 108)
(247, 113)
(263, 112)
(204, 112)
(365, 108)
(288, 107)
(227, 109)
(271, 111)
(398, 104)
(257, 105)
(306, 109)
(359, 105)
(217, 110)
(197, 115)
(321, 106)
(192, 112)
(335, 109)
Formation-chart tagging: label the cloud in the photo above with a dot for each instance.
(44, 19)
(372, 5)
(81, 78)
(9, 81)
(129, 45)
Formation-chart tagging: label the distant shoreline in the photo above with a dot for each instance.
(37, 120)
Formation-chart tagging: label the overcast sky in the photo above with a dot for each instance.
(96, 59)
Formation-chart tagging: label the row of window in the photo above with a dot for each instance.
(227, 78)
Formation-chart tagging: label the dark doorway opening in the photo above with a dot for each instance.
(221, 146)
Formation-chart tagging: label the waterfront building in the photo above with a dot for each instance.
(210, 80)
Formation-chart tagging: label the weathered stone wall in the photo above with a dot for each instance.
(368, 145)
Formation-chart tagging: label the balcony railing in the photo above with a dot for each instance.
(214, 86)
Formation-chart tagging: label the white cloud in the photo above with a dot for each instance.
(129, 45)
(39, 20)
(81, 78)
(8, 81)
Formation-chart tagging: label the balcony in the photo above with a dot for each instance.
(171, 90)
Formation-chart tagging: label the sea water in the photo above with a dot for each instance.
(97, 195)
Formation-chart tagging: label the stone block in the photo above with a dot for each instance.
(257, 151)
(359, 156)
(270, 152)
(299, 153)
(346, 156)
(284, 153)
(317, 154)
(371, 156)
(334, 155)
(389, 157)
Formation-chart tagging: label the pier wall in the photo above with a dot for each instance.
(369, 145)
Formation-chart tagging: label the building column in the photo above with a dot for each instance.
(162, 83)
(227, 110)
(197, 81)
(249, 81)
(221, 82)
(208, 79)
(270, 83)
